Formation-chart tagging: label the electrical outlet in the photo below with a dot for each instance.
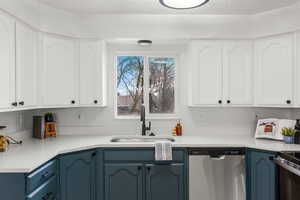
(258, 115)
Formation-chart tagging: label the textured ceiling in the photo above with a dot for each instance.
(214, 7)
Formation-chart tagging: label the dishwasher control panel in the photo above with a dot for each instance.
(217, 151)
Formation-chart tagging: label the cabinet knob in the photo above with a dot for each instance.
(96, 102)
(288, 101)
(139, 168)
(46, 175)
(94, 154)
(149, 169)
(220, 101)
(228, 101)
(14, 104)
(21, 103)
(48, 196)
(73, 102)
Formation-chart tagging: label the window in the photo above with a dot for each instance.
(130, 84)
(161, 85)
(148, 80)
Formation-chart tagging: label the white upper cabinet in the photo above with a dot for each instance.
(274, 71)
(206, 72)
(60, 72)
(91, 73)
(238, 73)
(26, 63)
(7, 62)
(221, 73)
(297, 70)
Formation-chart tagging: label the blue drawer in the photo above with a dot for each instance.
(46, 191)
(138, 155)
(41, 175)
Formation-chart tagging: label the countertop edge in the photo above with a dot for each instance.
(36, 163)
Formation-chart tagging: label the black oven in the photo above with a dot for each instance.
(289, 176)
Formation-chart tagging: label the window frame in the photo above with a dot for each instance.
(147, 55)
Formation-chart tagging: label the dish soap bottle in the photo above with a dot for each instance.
(178, 129)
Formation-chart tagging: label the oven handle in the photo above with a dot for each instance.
(281, 162)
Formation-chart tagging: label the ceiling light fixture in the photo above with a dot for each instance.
(144, 42)
(183, 4)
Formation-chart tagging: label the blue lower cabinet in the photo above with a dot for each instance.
(123, 181)
(41, 184)
(47, 191)
(165, 182)
(12, 186)
(78, 176)
(133, 174)
(102, 174)
(41, 175)
(261, 175)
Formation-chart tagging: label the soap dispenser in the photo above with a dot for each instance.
(178, 128)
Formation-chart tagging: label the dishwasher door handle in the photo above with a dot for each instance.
(219, 157)
(289, 166)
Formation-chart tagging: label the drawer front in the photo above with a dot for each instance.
(41, 175)
(138, 155)
(46, 191)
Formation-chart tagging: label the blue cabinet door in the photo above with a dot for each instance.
(165, 182)
(78, 175)
(12, 186)
(261, 176)
(123, 181)
(100, 175)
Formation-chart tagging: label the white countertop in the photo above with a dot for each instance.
(34, 152)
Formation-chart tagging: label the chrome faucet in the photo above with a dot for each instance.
(143, 120)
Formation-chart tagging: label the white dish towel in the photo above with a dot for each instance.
(163, 151)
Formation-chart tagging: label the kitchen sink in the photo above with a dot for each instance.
(141, 139)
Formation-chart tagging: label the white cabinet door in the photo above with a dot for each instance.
(7, 61)
(238, 73)
(60, 71)
(26, 52)
(297, 70)
(91, 73)
(274, 71)
(206, 62)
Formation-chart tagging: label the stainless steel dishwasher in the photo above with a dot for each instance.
(217, 174)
